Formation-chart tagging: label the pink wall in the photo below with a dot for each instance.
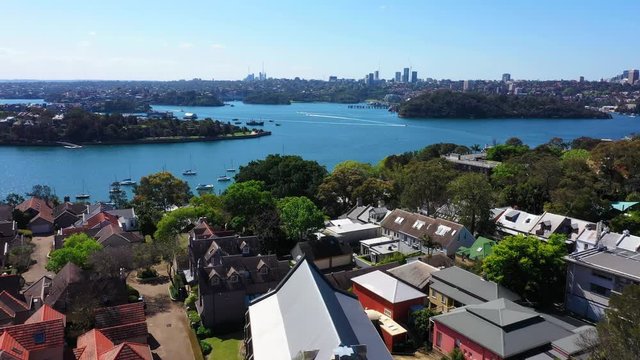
(468, 347)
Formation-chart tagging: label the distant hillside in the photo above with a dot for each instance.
(186, 98)
(456, 105)
(267, 98)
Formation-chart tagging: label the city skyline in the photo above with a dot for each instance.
(212, 39)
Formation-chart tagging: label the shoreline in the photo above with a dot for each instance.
(142, 141)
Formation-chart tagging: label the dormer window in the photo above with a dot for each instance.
(215, 280)
(39, 338)
(264, 270)
(233, 278)
(245, 250)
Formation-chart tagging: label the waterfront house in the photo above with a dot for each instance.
(455, 287)
(413, 228)
(387, 295)
(40, 214)
(327, 253)
(229, 271)
(594, 274)
(416, 273)
(304, 317)
(67, 214)
(496, 330)
(6, 212)
(472, 162)
(8, 238)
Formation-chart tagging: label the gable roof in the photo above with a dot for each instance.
(6, 212)
(342, 279)
(45, 313)
(35, 204)
(128, 351)
(467, 287)
(10, 349)
(11, 283)
(305, 313)
(417, 225)
(387, 287)
(480, 249)
(122, 322)
(75, 209)
(503, 327)
(29, 335)
(415, 273)
(114, 230)
(11, 305)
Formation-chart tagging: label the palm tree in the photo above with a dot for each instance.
(429, 244)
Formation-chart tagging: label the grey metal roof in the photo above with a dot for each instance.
(503, 327)
(453, 293)
(415, 273)
(305, 313)
(471, 284)
(622, 262)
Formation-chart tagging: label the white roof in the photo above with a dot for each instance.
(305, 314)
(387, 287)
(522, 224)
(376, 241)
(341, 222)
(346, 228)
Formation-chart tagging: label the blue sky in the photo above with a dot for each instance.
(454, 39)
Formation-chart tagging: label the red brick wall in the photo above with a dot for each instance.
(468, 347)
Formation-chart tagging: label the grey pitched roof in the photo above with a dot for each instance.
(325, 247)
(125, 213)
(415, 273)
(305, 313)
(416, 225)
(465, 286)
(6, 212)
(387, 287)
(618, 261)
(503, 327)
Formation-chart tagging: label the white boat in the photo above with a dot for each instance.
(189, 172)
(224, 178)
(83, 195)
(204, 187)
(127, 182)
(73, 147)
(232, 168)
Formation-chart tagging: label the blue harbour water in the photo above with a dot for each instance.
(327, 133)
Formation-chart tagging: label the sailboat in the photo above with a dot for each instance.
(83, 195)
(127, 181)
(190, 171)
(231, 169)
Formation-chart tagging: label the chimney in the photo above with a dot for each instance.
(359, 201)
(598, 232)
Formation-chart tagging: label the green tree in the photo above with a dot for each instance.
(503, 152)
(531, 268)
(473, 198)
(424, 184)
(431, 245)
(119, 200)
(13, 199)
(155, 194)
(45, 193)
(619, 332)
(337, 193)
(285, 175)
(77, 249)
(421, 320)
(300, 217)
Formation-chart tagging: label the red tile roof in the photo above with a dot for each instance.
(9, 346)
(122, 333)
(120, 315)
(100, 218)
(128, 351)
(35, 204)
(38, 336)
(45, 313)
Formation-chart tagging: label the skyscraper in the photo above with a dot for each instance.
(376, 75)
(368, 79)
(467, 85)
(405, 75)
(506, 77)
(581, 79)
(398, 75)
(414, 76)
(633, 76)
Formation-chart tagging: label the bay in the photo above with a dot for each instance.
(325, 132)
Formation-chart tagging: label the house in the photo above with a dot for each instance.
(342, 279)
(378, 249)
(455, 287)
(113, 235)
(351, 233)
(41, 215)
(515, 222)
(229, 271)
(304, 317)
(13, 311)
(412, 228)
(72, 284)
(498, 329)
(415, 273)
(480, 249)
(67, 214)
(392, 333)
(366, 214)
(387, 295)
(591, 239)
(37, 340)
(550, 224)
(123, 323)
(440, 261)
(95, 345)
(326, 252)
(472, 162)
(127, 218)
(593, 275)
(46, 313)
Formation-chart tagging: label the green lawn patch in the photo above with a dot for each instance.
(225, 346)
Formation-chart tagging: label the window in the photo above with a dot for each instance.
(264, 270)
(388, 312)
(39, 338)
(600, 290)
(245, 250)
(233, 278)
(215, 280)
(438, 339)
(399, 220)
(418, 224)
(442, 230)
(601, 276)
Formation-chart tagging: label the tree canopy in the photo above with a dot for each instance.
(619, 332)
(77, 249)
(531, 268)
(300, 217)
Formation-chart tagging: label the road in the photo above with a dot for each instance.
(36, 271)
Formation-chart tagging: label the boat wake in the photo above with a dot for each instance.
(326, 116)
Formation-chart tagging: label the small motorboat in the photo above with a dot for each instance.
(202, 187)
(224, 178)
(189, 172)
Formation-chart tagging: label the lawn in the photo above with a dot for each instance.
(225, 347)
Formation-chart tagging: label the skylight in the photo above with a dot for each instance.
(399, 220)
(418, 224)
(442, 230)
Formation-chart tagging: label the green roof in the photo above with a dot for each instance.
(480, 249)
(623, 205)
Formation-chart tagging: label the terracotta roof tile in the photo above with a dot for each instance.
(9, 346)
(119, 334)
(128, 351)
(91, 344)
(38, 336)
(45, 313)
(120, 315)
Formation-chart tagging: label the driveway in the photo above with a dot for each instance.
(166, 320)
(37, 270)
